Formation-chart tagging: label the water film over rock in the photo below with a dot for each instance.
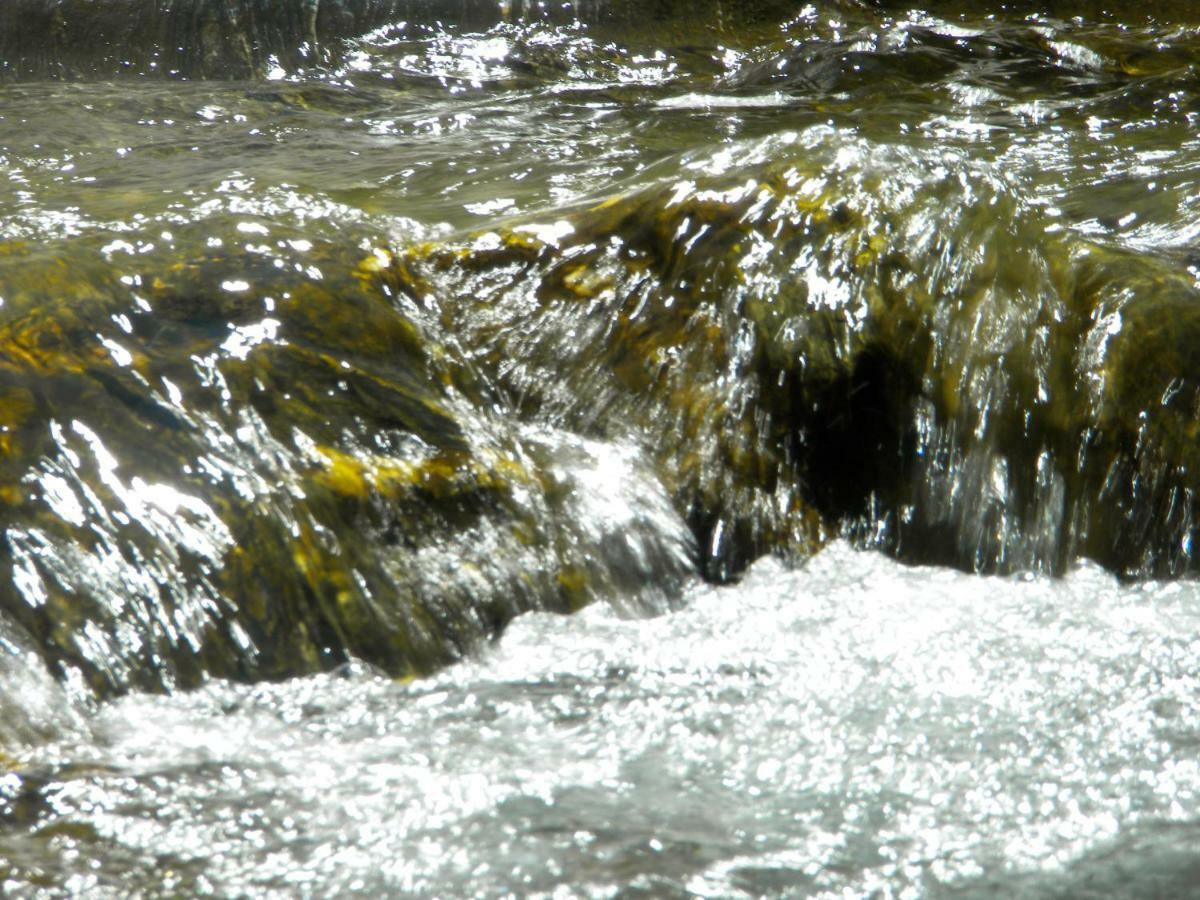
(209, 479)
(854, 338)
(840, 358)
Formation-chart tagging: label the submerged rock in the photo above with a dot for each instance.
(260, 462)
(848, 338)
(212, 467)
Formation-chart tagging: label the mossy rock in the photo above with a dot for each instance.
(212, 466)
(850, 338)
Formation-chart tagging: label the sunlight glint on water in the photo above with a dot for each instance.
(194, 251)
(849, 727)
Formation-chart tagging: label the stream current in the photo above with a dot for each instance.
(833, 364)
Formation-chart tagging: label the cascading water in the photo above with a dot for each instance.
(833, 364)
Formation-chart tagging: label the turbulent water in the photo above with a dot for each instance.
(835, 365)
(853, 728)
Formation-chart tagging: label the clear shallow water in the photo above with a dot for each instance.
(574, 400)
(852, 728)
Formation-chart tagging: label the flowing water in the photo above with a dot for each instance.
(834, 365)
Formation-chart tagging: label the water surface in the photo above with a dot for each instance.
(834, 365)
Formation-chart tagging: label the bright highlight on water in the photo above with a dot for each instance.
(486, 449)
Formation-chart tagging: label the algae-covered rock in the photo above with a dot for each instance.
(854, 338)
(645, 319)
(220, 465)
(260, 458)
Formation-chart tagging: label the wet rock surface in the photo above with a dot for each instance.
(259, 427)
(340, 341)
